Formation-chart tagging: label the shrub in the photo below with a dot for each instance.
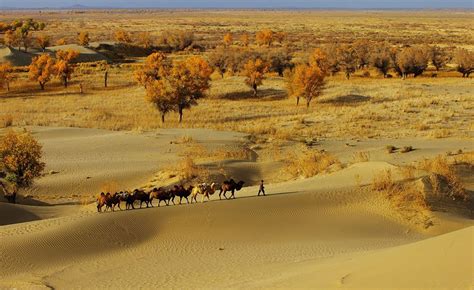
(310, 163)
(391, 149)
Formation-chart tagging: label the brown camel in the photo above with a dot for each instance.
(112, 200)
(101, 201)
(230, 185)
(181, 192)
(142, 196)
(162, 195)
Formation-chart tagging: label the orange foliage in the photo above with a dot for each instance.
(41, 69)
(228, 39)
(20, 156)
(43, 41)
(255, 70)
(63, 67)
(83, 38)
(6, 75)
(265, 37)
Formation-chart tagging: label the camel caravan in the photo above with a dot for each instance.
(111, 201)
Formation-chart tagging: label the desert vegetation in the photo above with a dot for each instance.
(20, 162)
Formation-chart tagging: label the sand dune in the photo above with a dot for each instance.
(298, 236)
(321, 232)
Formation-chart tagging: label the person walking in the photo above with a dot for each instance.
(261, 189)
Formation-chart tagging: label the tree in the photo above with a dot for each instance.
(220, 60)
(245, 39)
(43, 41)
(11, 39)
(41, 69)
(319, 59)
(63, 67)
(20, 158)
(362, 49)
(228, 39)
(438, 56)
(412, 60)
(25, 28)
(465, 62)
(161, 95)
(278, 61)
(6, 75)
(380, 58)
(176, 86)
(190, 79)
(177, 40)
(254, 71)
(332, 59)
(308, 82)
(156, 64)
(347, 59)
(122, 36)
(264, 37)
(83, 38)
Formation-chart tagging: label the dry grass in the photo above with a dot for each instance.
(311, 163)
(361, 156)
(409, 201)
(441, 166)
(187, 171)
(6, 121)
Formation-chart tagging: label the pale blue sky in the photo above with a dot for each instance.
(243, 3)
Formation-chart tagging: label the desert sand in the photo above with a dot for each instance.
(321, 232)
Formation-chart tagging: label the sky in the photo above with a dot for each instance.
(349, 4)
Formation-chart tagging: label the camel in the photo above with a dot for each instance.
(230, 185)
(162, 195)
(129, 200)
(113, 200)
(205, 190)
(101, 201)
(142, 196)
(181, 192)
(10, 195)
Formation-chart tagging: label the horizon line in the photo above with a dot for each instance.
(87, 7)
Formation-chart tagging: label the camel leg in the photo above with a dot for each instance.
(232, 196)
(180, 199)
(187, 201)
(225, 194)
(220, 192)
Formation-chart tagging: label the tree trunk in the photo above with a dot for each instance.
(8, 86)
(41, 85)
(162, 118)
(180, 111)
(307, 103)
(65, 82)
(106, 77)
(255, 92)
(297, 101)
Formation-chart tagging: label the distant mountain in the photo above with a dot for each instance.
(77, 6)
